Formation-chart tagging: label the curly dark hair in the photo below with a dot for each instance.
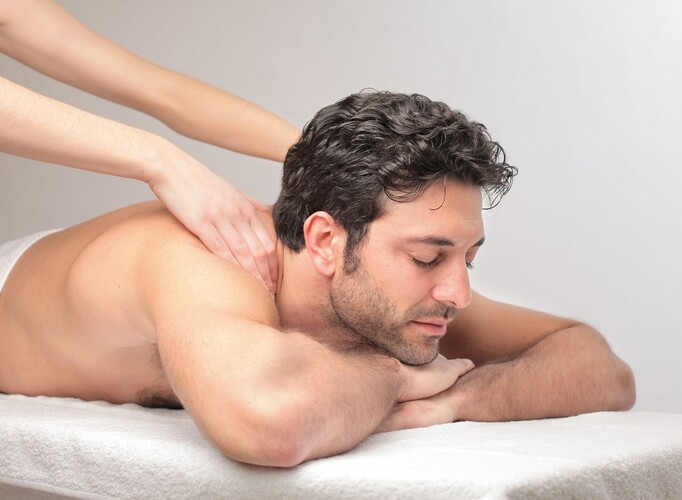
(372, 144)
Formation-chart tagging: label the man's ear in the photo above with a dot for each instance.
(324, 241)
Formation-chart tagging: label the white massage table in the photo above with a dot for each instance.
(54, 448)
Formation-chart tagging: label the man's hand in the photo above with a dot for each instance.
(428, 380)
(425, 401)
(438, 409)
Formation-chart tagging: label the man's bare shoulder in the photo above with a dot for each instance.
(134, 231)
(175, 264)
(143, 259)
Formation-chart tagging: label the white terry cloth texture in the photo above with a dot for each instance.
(11, 251)
(54, 448)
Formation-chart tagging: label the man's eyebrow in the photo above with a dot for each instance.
(440, 242)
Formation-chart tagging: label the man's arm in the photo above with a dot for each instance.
(264, 396)
(529, 365)
(43, 36)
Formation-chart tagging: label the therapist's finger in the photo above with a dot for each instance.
(213, 240)
(247, 250)
(264, 236)
(262, 249)
(257, 204)
(269, 247)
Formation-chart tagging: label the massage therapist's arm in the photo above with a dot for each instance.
(43, 36)
(262, 395)
(40, 128)
(530, 365)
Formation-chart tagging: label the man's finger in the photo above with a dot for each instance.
(430, 379)
(419, 413)
(462, 365)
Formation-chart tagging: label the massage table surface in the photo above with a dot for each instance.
(52, 448)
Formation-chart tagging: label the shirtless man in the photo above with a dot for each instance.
(378, 221)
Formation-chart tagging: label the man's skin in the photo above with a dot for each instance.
(131, 307)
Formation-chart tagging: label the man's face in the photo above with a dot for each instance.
(413, 272)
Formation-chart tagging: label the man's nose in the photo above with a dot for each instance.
(454, 287)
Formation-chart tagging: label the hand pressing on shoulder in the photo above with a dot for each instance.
(223, 218)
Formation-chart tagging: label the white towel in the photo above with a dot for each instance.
(12, 250)
(95, 450)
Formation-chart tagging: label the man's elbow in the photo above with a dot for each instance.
(612, 378)
(277, 436)
(287, 442)
(622, 394)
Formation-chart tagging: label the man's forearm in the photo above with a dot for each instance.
(360, 388)
(319, 401)
(569, 372)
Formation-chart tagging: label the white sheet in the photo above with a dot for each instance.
(93, 450)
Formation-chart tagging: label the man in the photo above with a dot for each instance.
(378, 220)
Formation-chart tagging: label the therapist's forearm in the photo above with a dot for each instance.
(200, 111)
(569, 372)
(45, 37)
(40, 128)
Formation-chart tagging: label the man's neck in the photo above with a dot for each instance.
(297, 291)
(302, 296)
(302, 301)
(298, 294)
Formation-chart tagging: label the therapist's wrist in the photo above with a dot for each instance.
(158, 162)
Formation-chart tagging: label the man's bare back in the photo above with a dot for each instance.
(75, 322)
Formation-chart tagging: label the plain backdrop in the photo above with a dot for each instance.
(585, 97)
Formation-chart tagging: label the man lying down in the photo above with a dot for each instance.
(373, 323)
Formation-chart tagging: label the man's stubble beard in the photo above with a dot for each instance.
(360, 311)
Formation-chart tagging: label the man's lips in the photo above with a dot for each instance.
(433, 326)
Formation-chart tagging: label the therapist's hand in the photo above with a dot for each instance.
(223, 218)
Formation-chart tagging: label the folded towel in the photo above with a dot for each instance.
(94, 450)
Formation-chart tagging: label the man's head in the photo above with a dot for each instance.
(370, 147)
(387, 161)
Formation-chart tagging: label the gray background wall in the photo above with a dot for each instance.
(585, 97)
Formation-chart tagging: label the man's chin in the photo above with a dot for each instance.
(416, 357)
